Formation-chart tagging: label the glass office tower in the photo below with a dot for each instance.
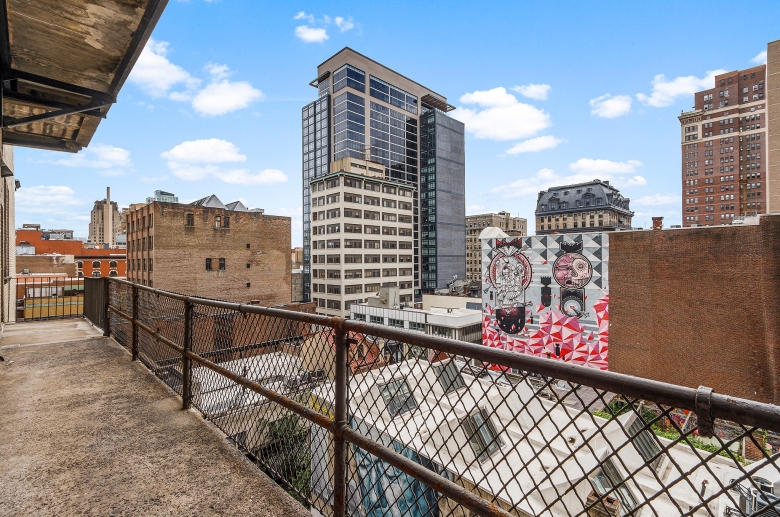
(442, 199)
(368, 111)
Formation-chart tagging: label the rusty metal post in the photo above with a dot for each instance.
(186, 362)
(339, 446)
(134, 347)
(106, 303)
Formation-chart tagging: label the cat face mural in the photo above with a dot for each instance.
(524, 312)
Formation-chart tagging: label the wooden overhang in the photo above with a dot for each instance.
(62, 64)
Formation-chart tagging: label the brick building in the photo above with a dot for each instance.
(205, 249)
(688, 306)
(595, 205)
(474, 226)
(90, 262)
(724, 150)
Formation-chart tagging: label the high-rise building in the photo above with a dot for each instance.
(724, 150)
(474, 226)
(773, 102)
(367, 111)
(362, 236)
(595, 205)
(104, 221)
(165, 197)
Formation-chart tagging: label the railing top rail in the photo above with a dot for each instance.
(747, 412)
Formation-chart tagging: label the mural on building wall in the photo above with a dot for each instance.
(548, 296)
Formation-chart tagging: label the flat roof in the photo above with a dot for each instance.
(348, 49)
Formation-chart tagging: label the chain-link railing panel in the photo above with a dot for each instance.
(528, 444)
(121, 297)
(537, 446)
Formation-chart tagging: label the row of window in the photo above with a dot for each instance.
(139, 264)
(361, 214)
(357, 243)
(137, 224)
(96, 264)
(357, 199)
(367, 185)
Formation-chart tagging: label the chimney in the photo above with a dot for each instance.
(658, 223)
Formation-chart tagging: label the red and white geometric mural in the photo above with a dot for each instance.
(548, 296)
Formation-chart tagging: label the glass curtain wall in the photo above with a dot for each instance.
(316, 155)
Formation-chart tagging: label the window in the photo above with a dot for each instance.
(208, 264)
(190, 219)
(226, 223)
(449, 376)
(96, 263)
(96, 274)
(222, 264)
(420, 327)
(150, 265)
(398, 397)
(608, 478)
(395, 323)
(217, 222)
(645, 442)
(481, 434)
(376, 319)
(112, 273)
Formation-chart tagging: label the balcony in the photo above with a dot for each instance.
(85, 431)
(355, 418)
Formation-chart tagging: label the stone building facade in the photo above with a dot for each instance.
(595, 205)
(241, 256)
(105, 221)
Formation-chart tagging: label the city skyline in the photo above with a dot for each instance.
(611, 117)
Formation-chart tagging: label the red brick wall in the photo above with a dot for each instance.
(698, 306)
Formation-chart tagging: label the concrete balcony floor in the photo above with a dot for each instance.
(84, 431)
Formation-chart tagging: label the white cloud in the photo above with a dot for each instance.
(303, 16)
(533, 91)
(503, 117)
(54, 199)
(218, 71)
(657, 200)
(212, 150)
(546, 178)
(243, 177)
(533, 145)
(665, 92)
(109, 160)
(219, 98)
(311, 34)
(201, 159)
(608, 106)
(591, 166)
(760, 58)
(344, 25)
(155, 75)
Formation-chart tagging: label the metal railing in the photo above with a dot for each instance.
(366, 420)
(44, 297)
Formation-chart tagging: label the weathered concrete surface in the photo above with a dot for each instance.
(41, 332)
(84, 431)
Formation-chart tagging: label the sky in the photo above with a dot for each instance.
(549, 96)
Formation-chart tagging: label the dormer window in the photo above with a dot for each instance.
(449, 376)
(398, 397)
(481, 434)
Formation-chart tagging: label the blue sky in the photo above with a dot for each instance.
(549, 95)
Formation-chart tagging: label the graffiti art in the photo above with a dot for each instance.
(522, 312)
(510, 274)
